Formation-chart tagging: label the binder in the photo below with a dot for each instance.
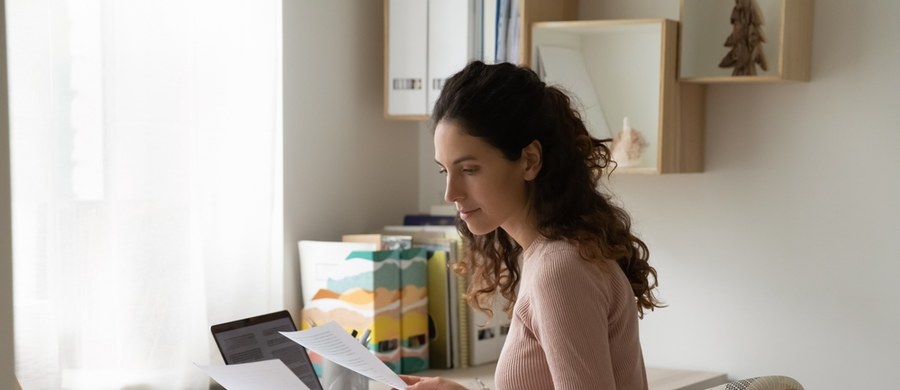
(363, 292)
(427, 42)
(414, 340)
(513, 32)
(321, 259)
(407, 69)
(382, 290)
(441, 343)
(486, 338)
(462, 332)
(503, 8)
(450, 42)
(445, 239)
(489, 31)
(475, 340)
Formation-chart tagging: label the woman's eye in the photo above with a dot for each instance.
(442, 171)
(469, 171)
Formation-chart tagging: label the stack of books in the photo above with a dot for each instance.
(375, 283)
(399, 282)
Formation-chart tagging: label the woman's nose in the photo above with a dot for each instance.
(452, 192)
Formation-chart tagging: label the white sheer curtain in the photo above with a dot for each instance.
(146, 179)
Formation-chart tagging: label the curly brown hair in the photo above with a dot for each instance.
(509, 107)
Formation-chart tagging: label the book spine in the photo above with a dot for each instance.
(427, 219)
(463, 309)
(413, 311)
(439, 346)
(463, 322)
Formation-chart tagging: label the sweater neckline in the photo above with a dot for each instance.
(538, 241)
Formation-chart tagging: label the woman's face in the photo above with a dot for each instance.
(488, 190)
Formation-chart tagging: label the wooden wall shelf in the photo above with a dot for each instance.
(705, 25)
(631, 69)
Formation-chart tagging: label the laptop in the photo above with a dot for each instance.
(256, 338)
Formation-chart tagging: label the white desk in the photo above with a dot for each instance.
(657, 378)
(672, 379)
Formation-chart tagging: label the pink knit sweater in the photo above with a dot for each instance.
(574, 326)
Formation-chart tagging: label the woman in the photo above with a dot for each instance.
(523, 172)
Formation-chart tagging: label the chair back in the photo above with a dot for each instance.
(769, 382)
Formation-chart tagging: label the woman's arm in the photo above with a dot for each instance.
(569, 313)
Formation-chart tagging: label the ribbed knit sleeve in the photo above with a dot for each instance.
(574, 325)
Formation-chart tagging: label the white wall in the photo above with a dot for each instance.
(431, 182)
(783, 256)
(346, 169)
(7, 355)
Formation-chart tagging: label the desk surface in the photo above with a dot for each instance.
(672, 379)
(657, 378)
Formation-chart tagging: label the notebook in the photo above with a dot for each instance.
(256, 338)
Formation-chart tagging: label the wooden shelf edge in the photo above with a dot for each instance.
(406, 117)
(636, 171)
(796, 39)
(738, 80)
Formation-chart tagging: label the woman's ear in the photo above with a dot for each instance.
(532, 156)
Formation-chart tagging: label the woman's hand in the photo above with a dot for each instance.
(426, 383)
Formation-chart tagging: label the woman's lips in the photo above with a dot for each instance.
(467, 213)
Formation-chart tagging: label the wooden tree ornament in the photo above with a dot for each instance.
(746, 40)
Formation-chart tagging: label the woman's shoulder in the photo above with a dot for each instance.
(543, 246)
(559, 258)
(562, 250)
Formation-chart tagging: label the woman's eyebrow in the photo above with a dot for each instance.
(458, 160)
(463, 159)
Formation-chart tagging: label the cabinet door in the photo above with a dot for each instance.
(407, 61)
(451, 42)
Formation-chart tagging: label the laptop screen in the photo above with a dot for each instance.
(257, 338)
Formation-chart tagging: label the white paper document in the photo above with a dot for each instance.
(266, 374)
(335, 344)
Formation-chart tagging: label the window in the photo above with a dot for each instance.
(146, 184)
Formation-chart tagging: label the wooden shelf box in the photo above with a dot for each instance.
(706, 24)
(631, 69)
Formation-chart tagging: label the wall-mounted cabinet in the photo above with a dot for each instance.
(785, 25)
(427, 41)
(627, 68)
